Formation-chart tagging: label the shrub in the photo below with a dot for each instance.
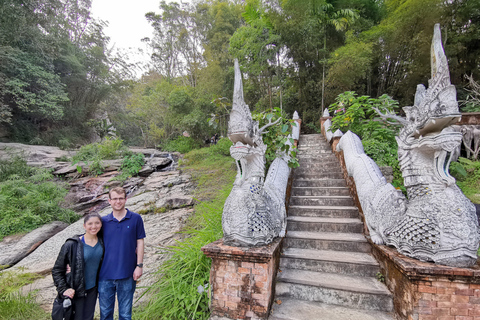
(222, 147)
(181, 144)
(357, 114)
(93, 154)
(131, 165)
(110, 148)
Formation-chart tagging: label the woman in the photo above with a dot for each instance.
(76, 270)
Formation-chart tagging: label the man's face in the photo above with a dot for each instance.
(117, 201)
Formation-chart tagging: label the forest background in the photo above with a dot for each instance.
(59, 79)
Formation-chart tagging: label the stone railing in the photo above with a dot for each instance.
(422, 290)
(242, 279)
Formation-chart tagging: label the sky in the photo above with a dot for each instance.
(126, 22)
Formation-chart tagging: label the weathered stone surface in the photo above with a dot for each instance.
(13, 251)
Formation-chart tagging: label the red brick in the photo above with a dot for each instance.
(427, 289)
(474, 286)
(476, 318)
(234, 299)
(458, 285)
(460, 299)
(427, 303)
(249, 265)
(442, 297)
(477, 293)
(429, 296)
(220, 273)
(445, 304)
(465, 292)
(441, 284)
(446, 318)
(260, 278)
(426, 317)
(244, 270)
(459, 311)
(232, 293)
(450, 290)
(424, 310)
(260, 271)
(474, 300)
(474, 312)
(218, 303)
(231, 305)
(441, 311)
(261, 285)
(463, 318)
(425, 283)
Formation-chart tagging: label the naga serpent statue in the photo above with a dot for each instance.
(254, 212)
(437, 223)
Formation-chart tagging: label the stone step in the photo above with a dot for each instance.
(318, 175)
(323, 211)
(319, 183)
(337, 289)
(322, 224)
(309, 170)
(317, 163)
(318, 191)
(354, 242)
(293, 309)
(343, 201)
(351, 263)
(313, 150)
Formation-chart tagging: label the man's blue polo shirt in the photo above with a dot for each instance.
(120, 238)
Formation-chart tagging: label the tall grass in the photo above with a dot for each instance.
(13, 304)
(181, 291)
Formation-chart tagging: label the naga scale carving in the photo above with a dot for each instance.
(254, 212)
(437, 223)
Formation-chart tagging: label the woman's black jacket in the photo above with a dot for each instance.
(76, 278)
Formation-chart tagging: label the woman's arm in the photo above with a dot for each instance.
(59, 270)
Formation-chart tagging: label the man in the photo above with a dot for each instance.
(122, 266)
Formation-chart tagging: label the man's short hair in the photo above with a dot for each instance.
(117, 190)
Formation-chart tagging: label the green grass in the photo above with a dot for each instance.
(13, 304)
(28, 199)
(177, 293)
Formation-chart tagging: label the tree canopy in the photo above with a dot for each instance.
(58, 75)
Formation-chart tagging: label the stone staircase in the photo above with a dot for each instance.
(326, 269)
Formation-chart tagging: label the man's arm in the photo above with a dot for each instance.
(140, 250)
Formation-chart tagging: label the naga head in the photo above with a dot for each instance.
(434, 108)
(241, 127)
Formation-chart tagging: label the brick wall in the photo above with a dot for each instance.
(426, 291)
(242, 279)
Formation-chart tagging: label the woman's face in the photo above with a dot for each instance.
(93, 225)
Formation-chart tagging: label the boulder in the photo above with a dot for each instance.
(12, 252)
